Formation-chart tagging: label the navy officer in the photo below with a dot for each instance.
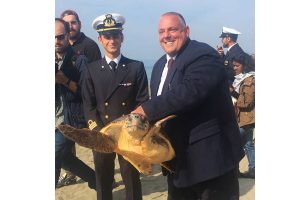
(112, 87)
(229, 38)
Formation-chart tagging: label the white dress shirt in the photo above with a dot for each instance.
(164, 75)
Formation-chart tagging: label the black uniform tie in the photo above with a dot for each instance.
(113, 65)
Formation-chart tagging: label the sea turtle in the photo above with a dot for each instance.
(130, 136)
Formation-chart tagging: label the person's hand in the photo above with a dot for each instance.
(220, 51)
(60, 77)
(140, 111)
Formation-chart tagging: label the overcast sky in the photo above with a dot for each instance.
(205, 18)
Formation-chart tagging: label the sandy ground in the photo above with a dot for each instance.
(153, 187)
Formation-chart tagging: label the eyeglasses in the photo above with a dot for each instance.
(60, 37)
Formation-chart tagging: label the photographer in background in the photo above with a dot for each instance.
(68, 103)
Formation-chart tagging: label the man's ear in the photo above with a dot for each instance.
(122, 37)
(187, 31)
(99, 39)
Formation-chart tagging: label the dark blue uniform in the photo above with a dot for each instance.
(234, 51)
(107, 95)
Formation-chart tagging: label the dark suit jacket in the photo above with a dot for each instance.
(108, 95)
(234, 51)
(205, 134)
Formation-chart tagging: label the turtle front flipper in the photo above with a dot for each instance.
(88, 138)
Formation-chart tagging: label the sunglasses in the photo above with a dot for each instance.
(60, 37)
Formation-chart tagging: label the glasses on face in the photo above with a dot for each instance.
(60, 37)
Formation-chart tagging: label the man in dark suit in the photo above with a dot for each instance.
(229, 40)
(113, 86)
(205, 134)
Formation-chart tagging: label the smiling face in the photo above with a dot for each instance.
(111, 44)
(173, 33)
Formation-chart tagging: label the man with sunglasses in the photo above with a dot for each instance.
(81, 45)
(69, 68)
(78, 40)
(112, 87)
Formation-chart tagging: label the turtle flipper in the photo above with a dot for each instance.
(138, 161)
(158, 123)
(88, 138)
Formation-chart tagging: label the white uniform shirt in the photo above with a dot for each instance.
(116, 60)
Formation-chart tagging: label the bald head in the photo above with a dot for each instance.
(173, 32)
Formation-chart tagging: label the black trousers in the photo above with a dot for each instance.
(65, 158)
(225, 187)
(104, 169)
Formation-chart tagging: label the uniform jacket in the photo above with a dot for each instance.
(108, 95)
(246, 102)
(234, 51)
(73, 67)
(205, 133)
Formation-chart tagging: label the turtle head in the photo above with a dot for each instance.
(136, 125)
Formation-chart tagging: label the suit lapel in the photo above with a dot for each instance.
(119, 75)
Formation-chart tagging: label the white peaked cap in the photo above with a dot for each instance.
(108, 22)
(230, 31)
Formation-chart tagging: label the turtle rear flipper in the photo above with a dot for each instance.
(138, 161)
(88, 138)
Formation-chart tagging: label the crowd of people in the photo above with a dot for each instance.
(212, 95)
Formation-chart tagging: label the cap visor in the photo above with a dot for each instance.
(110, 32)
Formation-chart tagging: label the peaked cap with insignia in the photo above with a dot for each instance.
(109, 23)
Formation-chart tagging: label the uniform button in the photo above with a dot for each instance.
(106, 104)
(123, 104)
(106, 116)
(123, 115)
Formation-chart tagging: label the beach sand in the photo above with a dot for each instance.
(153, 186)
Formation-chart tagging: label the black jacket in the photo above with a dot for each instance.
(234, 51)
(108, 95)
(205, 134)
